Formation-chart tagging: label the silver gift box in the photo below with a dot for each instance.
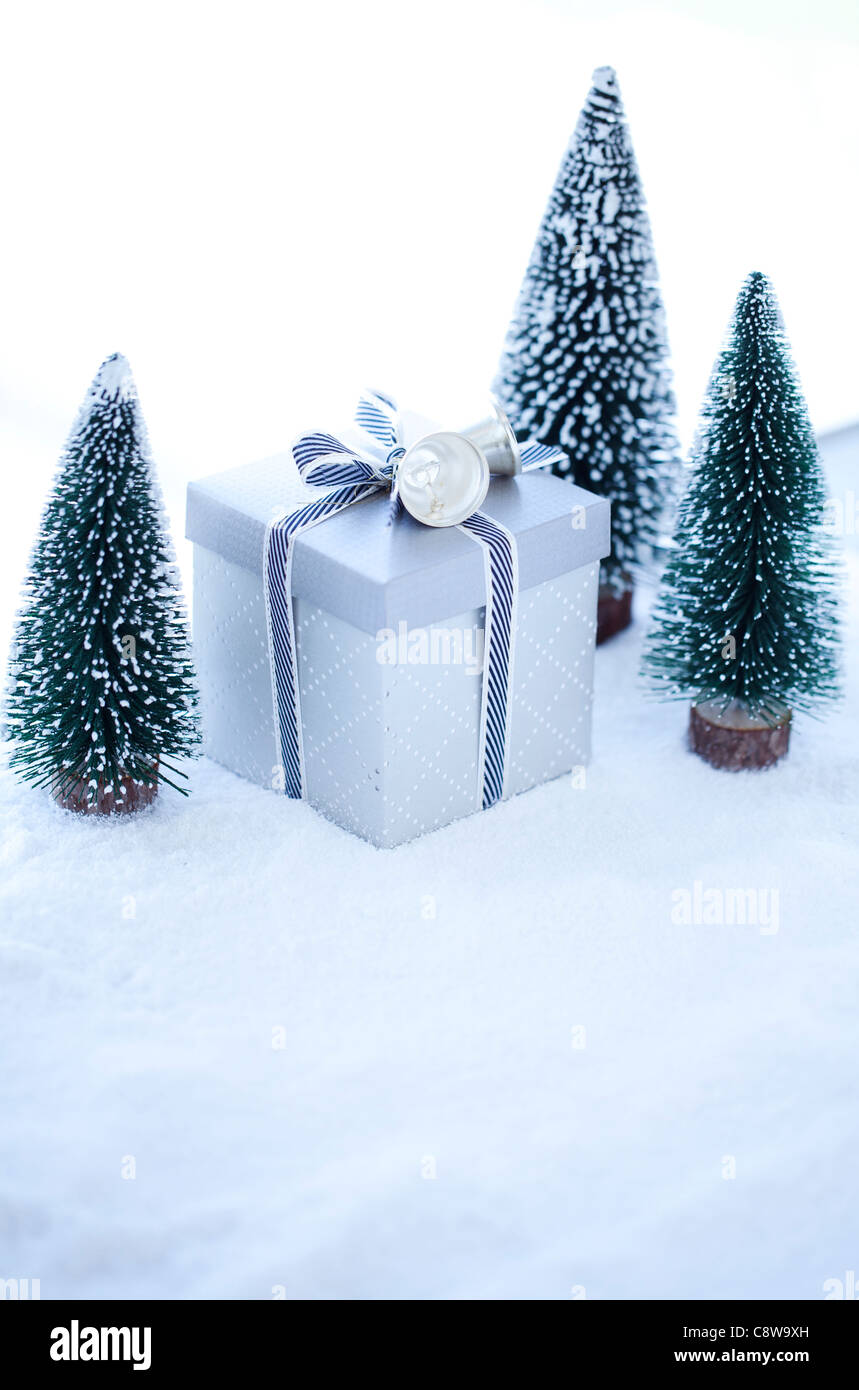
(389, 622)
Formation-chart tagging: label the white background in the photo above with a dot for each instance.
(267, 206)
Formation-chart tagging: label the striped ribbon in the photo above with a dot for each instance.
(502, 586)
(324, 461)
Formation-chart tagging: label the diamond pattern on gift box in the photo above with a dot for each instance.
(391, 750)
(553, 679)
(231, 656)
(341, 727)
(432, 714)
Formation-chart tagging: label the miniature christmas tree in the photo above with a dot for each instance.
(746, 619)
(102, 698)
(586, 363)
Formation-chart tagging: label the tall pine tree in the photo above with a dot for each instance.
(586, 362)
(746, 618)
(102, 697)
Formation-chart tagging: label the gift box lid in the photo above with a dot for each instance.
(372, 575)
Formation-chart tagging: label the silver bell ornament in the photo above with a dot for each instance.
(444, 478)
(495, 439)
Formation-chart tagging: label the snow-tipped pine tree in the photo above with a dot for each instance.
(585, 366)
(102, 697)
(746, 618)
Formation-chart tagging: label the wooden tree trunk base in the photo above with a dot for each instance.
(614, 612)
(137, 795)
(732, 740)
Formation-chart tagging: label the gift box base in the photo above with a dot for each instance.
(390, 720)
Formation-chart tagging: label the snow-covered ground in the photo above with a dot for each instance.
(246, 1054)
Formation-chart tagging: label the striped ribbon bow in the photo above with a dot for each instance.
(324, 462)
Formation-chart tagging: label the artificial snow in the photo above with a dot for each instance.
(114, 381)
(601, 1038)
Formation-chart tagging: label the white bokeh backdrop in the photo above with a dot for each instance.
(266, 206)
